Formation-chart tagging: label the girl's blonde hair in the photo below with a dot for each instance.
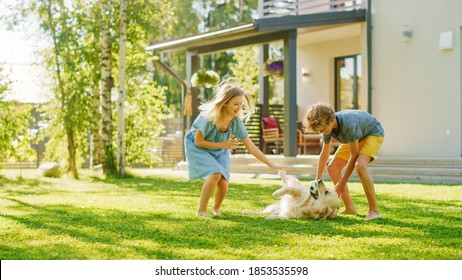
(318, 117)
(224, 92)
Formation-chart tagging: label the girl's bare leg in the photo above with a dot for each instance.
(220, 194)
(207, 190)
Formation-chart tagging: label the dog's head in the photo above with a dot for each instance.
(326, 202)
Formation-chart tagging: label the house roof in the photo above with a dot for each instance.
(256, 32)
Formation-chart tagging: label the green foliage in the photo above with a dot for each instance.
(205, 78)
(144, 114)
(154, 218)
(15, 135)
(231, 12)
(75, 63)
(68, 62)
(5, 82)
(192, 17)
(246, 69)
(183, 21)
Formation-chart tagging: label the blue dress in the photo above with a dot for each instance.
(205, 162)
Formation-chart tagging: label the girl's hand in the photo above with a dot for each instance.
(278, 167)
(231, 143)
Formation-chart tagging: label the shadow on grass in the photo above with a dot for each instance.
(23, 186)
(164, 233)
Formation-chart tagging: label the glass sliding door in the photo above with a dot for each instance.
(347, 81)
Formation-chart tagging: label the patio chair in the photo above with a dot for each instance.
(308, 143)
(271, 135)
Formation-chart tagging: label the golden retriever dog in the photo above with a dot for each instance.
(297, 201)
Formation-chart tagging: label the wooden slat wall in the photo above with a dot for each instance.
(253, 126)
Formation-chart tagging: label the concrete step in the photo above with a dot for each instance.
(423, 170)
(441, 162)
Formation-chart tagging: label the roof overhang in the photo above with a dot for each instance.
(257, 32)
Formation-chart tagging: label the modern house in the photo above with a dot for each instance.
(401, 60)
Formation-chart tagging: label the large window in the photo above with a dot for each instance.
(347, 81)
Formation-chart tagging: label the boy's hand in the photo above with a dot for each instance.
(339, 188)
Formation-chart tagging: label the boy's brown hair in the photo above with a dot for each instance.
(318, 116)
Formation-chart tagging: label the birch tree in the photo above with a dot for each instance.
(109, 166)
(121, 99)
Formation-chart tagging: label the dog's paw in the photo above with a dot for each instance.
(283, 176)
(277, 193)
(247, 212)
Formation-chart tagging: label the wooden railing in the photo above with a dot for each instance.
(277, 8)
(19, 165)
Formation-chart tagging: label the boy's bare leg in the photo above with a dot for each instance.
(220, 194)
(368, 185)
(207, 190)
(335, 172)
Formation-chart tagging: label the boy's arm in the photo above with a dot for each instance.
(340, 186)
(323, 158)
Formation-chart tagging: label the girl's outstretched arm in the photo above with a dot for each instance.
(260, 155)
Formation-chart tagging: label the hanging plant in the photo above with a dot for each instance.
(205, 78)
(274, 68)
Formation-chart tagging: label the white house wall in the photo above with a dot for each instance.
(416, 94)
(318, 59)
(416, 86)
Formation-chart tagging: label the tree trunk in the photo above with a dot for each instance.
(121, 100)
(67, 125)
(71, 149)
(96, 153)
(106, 85)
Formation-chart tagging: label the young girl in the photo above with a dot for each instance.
(215, 130)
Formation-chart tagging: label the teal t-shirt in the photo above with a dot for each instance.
(212, 134)
(204, 162)
(354, 125)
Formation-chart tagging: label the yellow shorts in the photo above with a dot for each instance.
(368, 146)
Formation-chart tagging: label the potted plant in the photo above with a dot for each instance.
(274, 68)
(205, 78)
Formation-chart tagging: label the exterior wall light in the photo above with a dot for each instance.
(407, 34)
(446, 40)
(305, 72)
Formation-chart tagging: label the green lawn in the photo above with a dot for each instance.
(153, 217)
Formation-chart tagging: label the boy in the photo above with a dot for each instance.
(361, 136)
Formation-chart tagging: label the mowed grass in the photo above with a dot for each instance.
(153, 217)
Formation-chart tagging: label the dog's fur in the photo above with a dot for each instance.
(297, 201)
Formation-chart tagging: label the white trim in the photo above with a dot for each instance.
(201, 36)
